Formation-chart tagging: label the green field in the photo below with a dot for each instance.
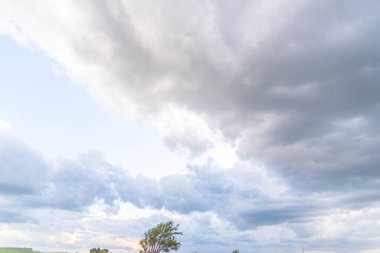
(16, 250)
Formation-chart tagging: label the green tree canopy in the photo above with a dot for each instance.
(98, 250)
(161, 238)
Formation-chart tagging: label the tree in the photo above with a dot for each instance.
(235, 251)
(98, 250)
(161, 238)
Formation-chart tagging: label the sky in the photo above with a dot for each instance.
(255, 125)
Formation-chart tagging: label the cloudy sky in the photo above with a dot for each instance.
(255, 125)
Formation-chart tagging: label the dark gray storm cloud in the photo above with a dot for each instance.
(295, 85)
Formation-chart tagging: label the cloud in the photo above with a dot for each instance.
(20, 176)
(76, 184)
(80, 183)
(13, 217)
(293, 90)
(4, 126)
(32, 180)
(87, 199)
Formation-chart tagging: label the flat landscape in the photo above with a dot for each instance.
(17, 250)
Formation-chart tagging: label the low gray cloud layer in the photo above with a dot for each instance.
(251, 202)
(243, 195)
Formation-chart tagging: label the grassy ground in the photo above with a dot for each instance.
(16, 251)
